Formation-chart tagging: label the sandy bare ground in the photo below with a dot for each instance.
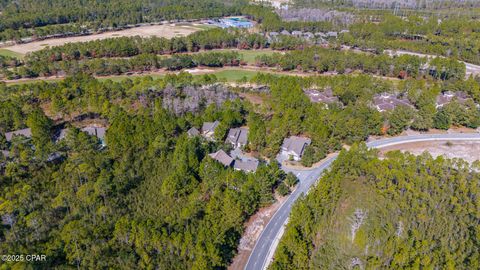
(165, 30)
(469, 151)
(254, 228)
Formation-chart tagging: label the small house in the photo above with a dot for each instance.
(208, 129)
(26, 132)
(246, 165)
(237, 137)
(294, 147)
(222, 157)
(192, 132)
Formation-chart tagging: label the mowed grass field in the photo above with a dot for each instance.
(250, 55)
(5, 52)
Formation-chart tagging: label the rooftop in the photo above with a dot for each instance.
(222, 157)
(209, 127)
(26, 132)
(321, 97)
(246, 165)
(296, 144)
(447, 97)
(387, 102)
(237, 136)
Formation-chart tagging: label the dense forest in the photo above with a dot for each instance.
(401, 212)
(151, 198)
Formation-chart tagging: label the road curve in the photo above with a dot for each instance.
(266, 244)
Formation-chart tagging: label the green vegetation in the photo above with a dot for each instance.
(402, 212)
(151, 198)
(8, 53)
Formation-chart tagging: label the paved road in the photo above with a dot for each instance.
(266, 244)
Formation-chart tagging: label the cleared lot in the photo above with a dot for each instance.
(166, 30)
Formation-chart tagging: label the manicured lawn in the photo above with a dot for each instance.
(233, 75)
(249, 55)
(9, 53)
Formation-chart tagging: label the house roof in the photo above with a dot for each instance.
(321, 97)
(387, 101)
(247, 165)
(99, 132)
(209, 126)
(26, 132)
(222, 157)
(237, 136)
(446, 97)
(193, 132)
(62, 134)
(5, 153)
(296, 144)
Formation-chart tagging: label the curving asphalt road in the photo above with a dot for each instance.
(265, 247)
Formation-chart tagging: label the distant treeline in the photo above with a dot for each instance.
(30, 14)
(327, 60)
(116, 66)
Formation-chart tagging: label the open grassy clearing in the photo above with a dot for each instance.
(9, 53)
(164, 30)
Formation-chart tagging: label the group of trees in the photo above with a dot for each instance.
(151, 198)
(451, 37)
(33, 18)
(394, 213)
(327, 60)
(115, 66)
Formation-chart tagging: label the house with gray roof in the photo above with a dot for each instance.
(246, 165)
(26, 132)
(294, 147)
(332, 34)
(222, 157)
(237, 137)
(98, 132)
(325, 97)
(448, 96)
(192, 132)
(387, 102)
(5, 153)
(208, 129)
(61, 134)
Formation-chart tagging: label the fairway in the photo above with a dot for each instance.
(250, 55)
(9, 53)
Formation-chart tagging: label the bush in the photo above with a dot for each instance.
(283, 190)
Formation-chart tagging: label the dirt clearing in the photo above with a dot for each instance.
(164, 30)
(467, 150)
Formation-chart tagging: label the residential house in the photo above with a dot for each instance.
(387, 102)
(62, 134)
(192, 132)
(237, 137)
(208, 129)
(294, 147)
(98, 132)
(332, 34)
(447, 97)
(5, 153)
(326, 96)
(297, 33)
(246, 165)
(26, 132)
(222, 157)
